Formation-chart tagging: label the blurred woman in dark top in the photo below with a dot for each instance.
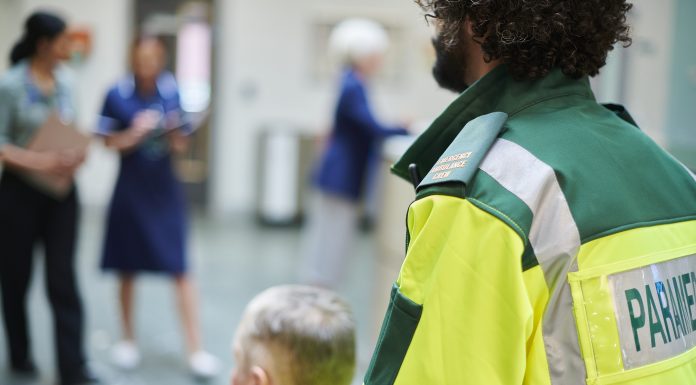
(146, 231)
(341, 176)
(35, 87)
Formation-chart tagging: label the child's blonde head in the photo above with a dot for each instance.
(297, 335)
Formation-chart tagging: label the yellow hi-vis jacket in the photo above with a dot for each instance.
(551, 242)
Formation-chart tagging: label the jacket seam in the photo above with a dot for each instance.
(542, 100)
(637, 225)
(507, 219)
(489, 209)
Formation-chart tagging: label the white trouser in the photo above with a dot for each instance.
(329, 236)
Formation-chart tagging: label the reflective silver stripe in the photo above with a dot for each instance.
(556, 240)
(689, 171)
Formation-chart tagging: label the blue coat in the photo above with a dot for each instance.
(355, 135)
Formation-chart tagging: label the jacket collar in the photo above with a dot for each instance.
(496, 91)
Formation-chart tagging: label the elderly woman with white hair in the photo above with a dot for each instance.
(340, 177)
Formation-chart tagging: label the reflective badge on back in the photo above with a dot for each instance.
(656, 310)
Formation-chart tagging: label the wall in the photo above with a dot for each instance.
(9, 29)
(264, 52)
(681, 129)
(647, 91)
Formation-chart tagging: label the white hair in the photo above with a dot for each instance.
(354, 39)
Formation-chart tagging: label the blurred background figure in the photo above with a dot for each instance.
(354, 141)
(143, 120)
(35, 87)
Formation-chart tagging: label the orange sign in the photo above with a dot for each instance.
(80, 42)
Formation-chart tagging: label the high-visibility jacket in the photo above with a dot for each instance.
(551, 242)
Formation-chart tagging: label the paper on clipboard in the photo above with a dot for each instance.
(55, 135)
(194, 121)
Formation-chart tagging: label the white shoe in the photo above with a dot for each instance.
(204, 364)
(125, 355)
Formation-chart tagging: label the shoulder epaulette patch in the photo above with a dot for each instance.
(460, 161)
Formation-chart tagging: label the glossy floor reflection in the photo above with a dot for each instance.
(232, 261)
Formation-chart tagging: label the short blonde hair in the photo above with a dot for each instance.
(308, 331)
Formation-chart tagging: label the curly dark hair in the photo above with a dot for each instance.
(535, 36)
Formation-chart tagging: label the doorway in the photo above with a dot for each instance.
(185, 27)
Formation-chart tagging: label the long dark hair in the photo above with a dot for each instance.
(40, 25)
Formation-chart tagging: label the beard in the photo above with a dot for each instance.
(450, 66)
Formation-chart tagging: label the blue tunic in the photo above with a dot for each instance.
(146, 227)
(354, 137)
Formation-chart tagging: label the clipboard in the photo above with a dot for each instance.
(55, 135)
(199, 118)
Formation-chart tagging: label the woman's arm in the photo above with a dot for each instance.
(356, 109)
(59, 163)
(124, 141)
(128, 139)
(181, 128)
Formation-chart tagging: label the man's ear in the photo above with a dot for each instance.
(468, 28)
(259, 376)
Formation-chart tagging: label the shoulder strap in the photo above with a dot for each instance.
(462, 158)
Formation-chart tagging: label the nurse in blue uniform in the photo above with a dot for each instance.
(147, 223)
(352, 148)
